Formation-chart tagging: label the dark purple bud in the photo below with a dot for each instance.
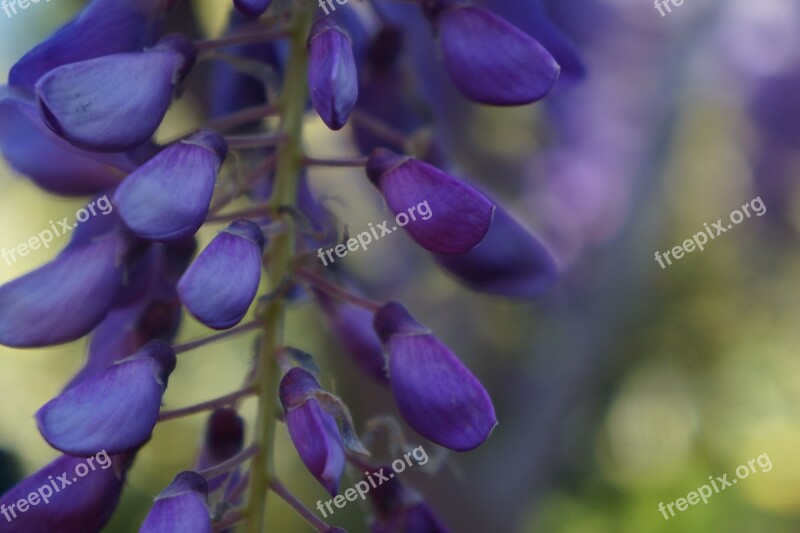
(104, 27)
(332, 73)
(492, 61)
(510, 261)
(48, 160)
(352, 325)
(85, 507)
(436, 394)
(252, 8)
(167, 198)
(113, 103)
(443, 214)
(180, 508)
(220, 285)
(401, 510)
(63, 300)
(114, 410)
(224, 439)
(313, 430)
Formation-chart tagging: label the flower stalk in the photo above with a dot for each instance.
(290, 157)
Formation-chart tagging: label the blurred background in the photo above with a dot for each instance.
(628, 384)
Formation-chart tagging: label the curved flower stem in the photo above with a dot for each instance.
(354, 162)
(208, 405)
(191, 345)
(281, 251)
(337, 292)
(247, 181)
(379, 128)
(254, 141)
(249, 114)
(249, 37)
(255, 211)
(230, 464)
(231, 518)
(308, 515)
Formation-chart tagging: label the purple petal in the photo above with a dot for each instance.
(490, 60)
(332, 73)
(436, 394)
(63, 300)
(510, 261)
(167, 198)
(459, 215)
(252, 8)
(399, 509)
(313, 431)
(51, 162)
(180, 508)
(352, 325)
(112, 103)
(104, 27)
(224, 439)
(220, 285)
(84, 507)
(115, 410)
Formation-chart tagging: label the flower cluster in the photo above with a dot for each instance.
(78, 118)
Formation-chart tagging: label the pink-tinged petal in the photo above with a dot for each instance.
(436, 394)
(114, 410)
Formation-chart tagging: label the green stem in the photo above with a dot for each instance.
(290, 159)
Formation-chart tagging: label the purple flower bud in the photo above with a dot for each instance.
(313, 430)
(220, 285)
(492, 61)
(63, 300)
(180, 508)
(113, 103)
(167, 198)
(436, 394)
(459, 216)
(352, 325)
(114, 410)
(401, 510)
(51, 162)
(332, 73)
(104, 27)
(86, 507)
(252, 8)
(224, 439)
(510, 261)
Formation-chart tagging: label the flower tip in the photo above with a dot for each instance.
(247, 229)
(252, 8)
(184, 482)
(211, 140)
(162, 353)
(381, 161)
(394, 319)
(296, 384)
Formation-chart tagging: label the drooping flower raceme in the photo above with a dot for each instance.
(80, 117)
